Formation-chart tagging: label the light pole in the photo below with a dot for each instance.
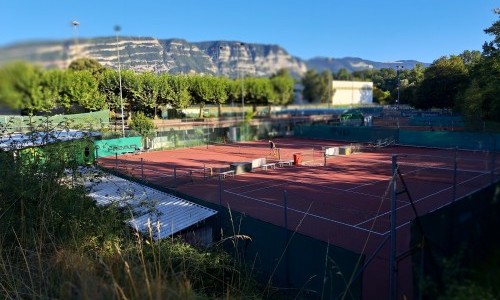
(75, 25)
(219, 71)
(398, 69)
(242, 85)
(117, 30)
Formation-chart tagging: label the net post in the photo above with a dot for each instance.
(324, 159)
(392, 262)
(116, 161)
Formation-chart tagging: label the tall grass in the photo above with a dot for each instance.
(55, 243)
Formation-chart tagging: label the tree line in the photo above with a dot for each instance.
(87, 86)
(468, 83)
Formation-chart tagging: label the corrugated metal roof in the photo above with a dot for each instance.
(25, 140)
(162, 213)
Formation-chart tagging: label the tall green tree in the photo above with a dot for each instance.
(201, 90)
(326, 87)
(146, 93)
(179, 94)
(282, 83)
(84, 89)
(259, 91)
(56, 83)
(86, 64)
(312, 86)
(481, 99)
(21, 88)
(443, 82)
(109, 87)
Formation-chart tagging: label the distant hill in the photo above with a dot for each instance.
(228, 58)
(356, 64)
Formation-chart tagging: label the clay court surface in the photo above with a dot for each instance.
(345, 202)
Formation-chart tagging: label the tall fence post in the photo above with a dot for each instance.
(493, 154)
(454, 175)
(220, 206)
(175, 177)
(392, 262)
(287, 259)
(142, 168)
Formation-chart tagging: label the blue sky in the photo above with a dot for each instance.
(379, 30)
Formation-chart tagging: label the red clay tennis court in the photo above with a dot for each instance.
(344, 200)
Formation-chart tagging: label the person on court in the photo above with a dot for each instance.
(272, 147)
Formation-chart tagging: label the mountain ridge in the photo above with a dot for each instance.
(177, 55)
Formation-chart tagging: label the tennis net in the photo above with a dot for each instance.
(417, 167)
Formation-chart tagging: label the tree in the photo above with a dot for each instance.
(312, 86)
(146, 93)
(481, 99)
(443, 82)
(381, 97)
(282, 84)
(86, 64)
(179, 94)
(21, 88)
(143, 125)
(259, 91)
(326, 87)
(83, 89)
(343, 74)
(57, 82)
(109, 87)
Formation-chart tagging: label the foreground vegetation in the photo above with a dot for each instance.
(55, 243)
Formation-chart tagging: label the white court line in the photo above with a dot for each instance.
(303, 212)
(267, 187)
(257, 183)
(421, 199)
(382, 180)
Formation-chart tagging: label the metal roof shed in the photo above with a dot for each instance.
(152, 211)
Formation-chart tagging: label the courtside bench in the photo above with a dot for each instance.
(269, 165)
(283, 163)
(223, 175)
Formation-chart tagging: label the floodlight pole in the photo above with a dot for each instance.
(392, 254)
(117, 30)
(242, 84)
(75, 25)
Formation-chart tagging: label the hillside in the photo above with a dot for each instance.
(228, 58)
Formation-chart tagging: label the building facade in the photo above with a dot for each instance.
(352, 92)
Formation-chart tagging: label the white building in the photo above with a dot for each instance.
(352, 92)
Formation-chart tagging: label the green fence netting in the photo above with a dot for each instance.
(117, 146)
(298, 265)
(466, 229)
(434, 139)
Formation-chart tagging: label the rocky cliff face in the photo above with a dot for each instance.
(228, 58)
